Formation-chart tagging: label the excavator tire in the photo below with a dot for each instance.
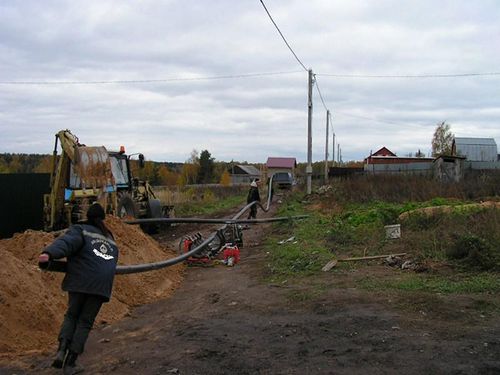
(154, 208)
(154, 211)
(126, 206)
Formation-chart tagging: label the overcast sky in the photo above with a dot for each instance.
(246, 118)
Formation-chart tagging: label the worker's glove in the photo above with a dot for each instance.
(43, 260)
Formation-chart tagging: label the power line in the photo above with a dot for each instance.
(249, 75)
(166, 80)
(320, 95)
(282, 36)
(410, 75)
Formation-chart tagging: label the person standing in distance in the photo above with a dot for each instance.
(253, 196)
(92, 256)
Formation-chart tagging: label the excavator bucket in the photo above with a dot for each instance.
(93, 167)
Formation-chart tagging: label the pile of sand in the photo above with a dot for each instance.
(32, 304)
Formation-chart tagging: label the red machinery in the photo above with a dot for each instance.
(227, 241)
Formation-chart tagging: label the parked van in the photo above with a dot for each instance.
(283, 180)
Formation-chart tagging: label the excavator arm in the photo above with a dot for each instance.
(54, 202)
(91, 176)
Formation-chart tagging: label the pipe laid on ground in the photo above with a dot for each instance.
(60, 266)
(123, 270)
(184, 220)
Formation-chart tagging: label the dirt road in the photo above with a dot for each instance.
(231, 321)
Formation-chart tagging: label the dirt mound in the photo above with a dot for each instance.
(438, 210)
(32, 303)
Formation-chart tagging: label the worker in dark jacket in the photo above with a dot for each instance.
(92, 255)
(253, 195)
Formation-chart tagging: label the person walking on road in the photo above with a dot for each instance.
(92, 256)
(253, 196)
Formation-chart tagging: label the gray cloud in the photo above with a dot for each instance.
(246, 118)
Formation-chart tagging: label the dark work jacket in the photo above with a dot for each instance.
(91, 260)
(253, 195)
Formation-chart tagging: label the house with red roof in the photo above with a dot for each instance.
(386, 156)
(279, 164)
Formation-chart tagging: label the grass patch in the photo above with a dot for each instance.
(460, 284)
(308, 252)
(209, 205)
(464, 235)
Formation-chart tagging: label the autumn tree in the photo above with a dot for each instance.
(16, 164)
(190, 168)
(148, 173)
(442, 140)
(166, 176)
(45, 165)
(4, 168)
(225, 179)
(219, 168)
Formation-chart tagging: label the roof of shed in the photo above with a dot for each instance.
(273, 162)
(249, 169)
(475, 141)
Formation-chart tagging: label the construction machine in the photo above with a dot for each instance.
(83, 175)
(136, 198)
(80, 176)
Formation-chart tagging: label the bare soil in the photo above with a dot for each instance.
(234, 321)
(32, 303)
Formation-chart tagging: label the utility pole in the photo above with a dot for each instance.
(333, 150)
(338, 153)
(309, 133)
(326, 145)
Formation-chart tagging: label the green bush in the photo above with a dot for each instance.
(473, 251)
(378, 212)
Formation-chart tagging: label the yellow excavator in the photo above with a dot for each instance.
(82, 175)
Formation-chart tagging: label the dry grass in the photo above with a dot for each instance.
(199, 193)
(398, 189)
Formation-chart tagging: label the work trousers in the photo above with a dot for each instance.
(79, 319)
(253, 212)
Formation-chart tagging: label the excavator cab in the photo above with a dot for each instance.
(135, 197)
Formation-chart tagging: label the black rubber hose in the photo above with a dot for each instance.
(60, 266)
(123, 270)
(184, 220)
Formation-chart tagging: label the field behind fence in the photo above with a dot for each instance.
(176, 195)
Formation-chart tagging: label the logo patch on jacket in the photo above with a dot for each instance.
(102, 252)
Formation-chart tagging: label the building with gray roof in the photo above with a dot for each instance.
(475, 149)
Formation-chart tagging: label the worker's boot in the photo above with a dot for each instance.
(62, 350)
(70, 366)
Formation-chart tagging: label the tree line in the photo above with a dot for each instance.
(199, 168)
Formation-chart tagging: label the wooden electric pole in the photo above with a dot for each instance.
(326, 145)
(309, 133)
(333, 148)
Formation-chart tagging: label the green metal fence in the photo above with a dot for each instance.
(21, 201)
